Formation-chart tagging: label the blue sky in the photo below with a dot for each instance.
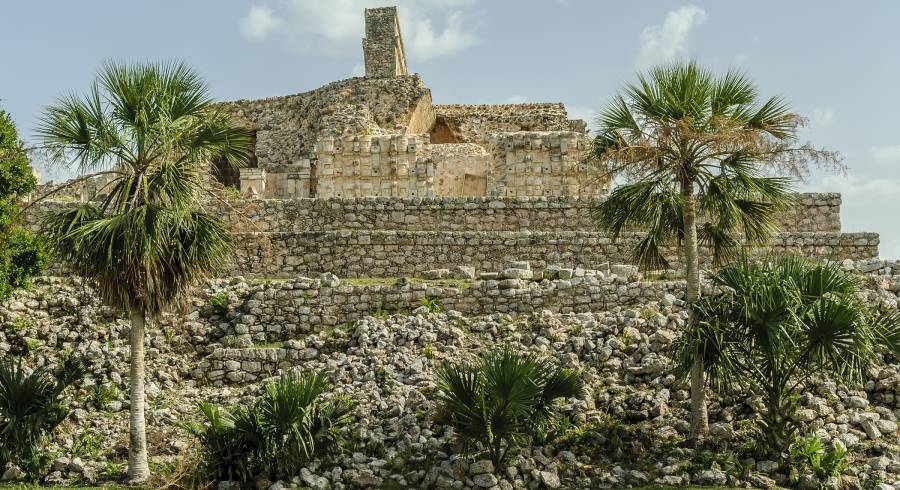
(836, 62)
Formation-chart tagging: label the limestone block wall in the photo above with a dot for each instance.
(814, 212)
(379, 253)
(542, 163)
(385, 165)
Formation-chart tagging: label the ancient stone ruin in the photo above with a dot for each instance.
(381, 136)
(380, 235)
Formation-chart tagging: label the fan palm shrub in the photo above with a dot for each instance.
(503, 400)
(31, 407)
(288, 426)
(697, 153)
(779, 324)
(154, 131)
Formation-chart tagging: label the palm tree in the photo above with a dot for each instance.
(155, 131)
(503, 400)
(777, 324)
(695, 149)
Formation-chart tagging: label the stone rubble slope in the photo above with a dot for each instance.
(386, 365)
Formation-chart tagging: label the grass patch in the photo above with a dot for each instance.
(268, 345)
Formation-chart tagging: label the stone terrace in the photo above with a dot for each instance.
(382, 237)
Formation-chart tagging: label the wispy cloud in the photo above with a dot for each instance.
(660, 43)
(259, 23)
(431, 28)
(822, 117)
(886, 154)
(516, 99)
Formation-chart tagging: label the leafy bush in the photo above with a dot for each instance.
(809, 453)
(503, 400)
(287, 427)
(22, 253)
(433, 305)
(103, 395)
(219, 303)
(30, 409)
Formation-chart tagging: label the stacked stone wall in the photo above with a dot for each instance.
(286, 310)
(814, 212)
(409, 253)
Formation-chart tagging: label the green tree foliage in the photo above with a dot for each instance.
(30, 409)
(155, 131)
(289, 425)
(22, 253)
(695, 149)
(504, 400)
(779, 324)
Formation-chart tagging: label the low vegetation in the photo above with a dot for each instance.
(777, 324)
(289, 425)
(503, 401)
(31, 407)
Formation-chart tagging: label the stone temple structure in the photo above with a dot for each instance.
(381, 136)
(366, 177)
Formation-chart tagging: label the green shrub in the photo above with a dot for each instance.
(86, 445)
(219, 303)
(809, 454)
(433, 305)
(287, 427)
(502, 401)
(30, 409)
(22, 253)
(776, 325)
(103, 395)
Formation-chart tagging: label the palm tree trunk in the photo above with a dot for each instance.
(138, 469)
(699, 418)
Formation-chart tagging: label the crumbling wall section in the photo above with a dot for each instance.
(288, 127)
(460, 169)
(478, 123)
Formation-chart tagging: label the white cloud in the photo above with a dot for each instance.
(359, 70)
(886, 154)
(516, 99)
(259, 23)
(821, 117)
(426, 44)
(431, 28)
(660, 43)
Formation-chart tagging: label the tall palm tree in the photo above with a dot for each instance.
(154, 129)
(777, 324)
(696, 150)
